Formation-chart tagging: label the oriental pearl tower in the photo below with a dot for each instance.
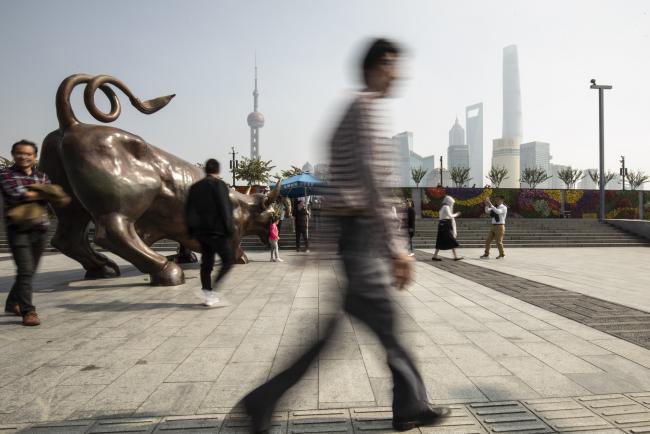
(255, 121)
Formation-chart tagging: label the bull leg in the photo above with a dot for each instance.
(117, 233)
(71, 239)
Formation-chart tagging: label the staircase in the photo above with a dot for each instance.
(532, 233)
(471, 233)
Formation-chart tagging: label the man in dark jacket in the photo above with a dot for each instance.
(410, 223)
(301, 219)
(209, 218)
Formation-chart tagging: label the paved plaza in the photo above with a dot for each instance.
(117, 355)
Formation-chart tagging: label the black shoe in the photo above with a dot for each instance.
(432, 416)
(259, 414)
(485, 256)
(460, 258)
(436, 259)
(501, 256)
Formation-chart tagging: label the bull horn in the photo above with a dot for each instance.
(248, 190)
(272, 196)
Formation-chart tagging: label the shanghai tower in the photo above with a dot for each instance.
(505, 151)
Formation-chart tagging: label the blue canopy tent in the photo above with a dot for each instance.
(301, 185)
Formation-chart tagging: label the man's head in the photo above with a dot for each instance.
(499, 200)
(24, 153)
(301, 204)
(212, 167)
(380, 66)
(409, 203)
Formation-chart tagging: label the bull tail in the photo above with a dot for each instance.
(64, 108)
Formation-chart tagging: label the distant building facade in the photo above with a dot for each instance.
(457, 151)
(474, 126)
(505, 150)
(536, 155)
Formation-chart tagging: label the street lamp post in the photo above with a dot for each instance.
(623, 170)
(234, 164)
(441, 184)
(601, 125)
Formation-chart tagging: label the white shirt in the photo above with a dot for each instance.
(445, 214)
(502, 210)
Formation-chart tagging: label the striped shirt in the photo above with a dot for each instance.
(362, 171)
(13, 182)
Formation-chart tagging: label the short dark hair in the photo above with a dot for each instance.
(376, 52)
(499, 196)
(24, 142)
(211, 166)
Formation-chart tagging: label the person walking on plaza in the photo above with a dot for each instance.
(209, 219)
(374, 255)
(27, 235)
(497, 231)
(274, 238)
(446, 238)
(284, 208)
(301, 225)
(410, 224)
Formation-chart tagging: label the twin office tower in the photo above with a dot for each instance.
(505, 150)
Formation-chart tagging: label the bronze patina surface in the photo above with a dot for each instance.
(133, 191)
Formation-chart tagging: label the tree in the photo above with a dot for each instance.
(570, 176)
(497, 175)
(595, 176)
(417, 173)
(293, 171)
(533, 176)
(5, 163)
(636, 179)
(254, 171)
(460, 176)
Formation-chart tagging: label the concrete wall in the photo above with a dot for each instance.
(636, 227)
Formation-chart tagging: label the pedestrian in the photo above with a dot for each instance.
(301, 225)
(317, 206)
(498, 215)
(284, 208)
(274, 239)
(209, 219)
(446, 238)
(410, 223)
(360, 162)
(26, 230)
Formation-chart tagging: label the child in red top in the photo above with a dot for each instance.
(274, 236)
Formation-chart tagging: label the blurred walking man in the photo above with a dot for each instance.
(374, 254)
(209, 219)
(27, 236)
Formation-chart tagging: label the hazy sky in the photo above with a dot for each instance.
(307, 53)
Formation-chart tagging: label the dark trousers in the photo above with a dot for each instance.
(209, 247)
(411, 235)
(26, 248)
(367, 298)
(301, 231)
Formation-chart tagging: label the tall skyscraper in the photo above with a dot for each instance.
(403, 146)
(255, 121)
(457, 152)
(505, 151)
(474, 125)
(536, 155)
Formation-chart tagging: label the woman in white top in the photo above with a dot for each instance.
(446, 239)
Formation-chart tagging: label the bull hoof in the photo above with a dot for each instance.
(243, 259)
(106, 271)
(170, 275)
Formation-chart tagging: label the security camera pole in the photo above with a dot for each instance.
(601, 121)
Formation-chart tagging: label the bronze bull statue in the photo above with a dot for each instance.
(133, 192)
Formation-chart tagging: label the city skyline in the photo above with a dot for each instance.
(205, 57)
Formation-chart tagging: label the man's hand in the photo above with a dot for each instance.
(32, 195)
(402, 271)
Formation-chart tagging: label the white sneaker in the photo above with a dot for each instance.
(280, 260)
(411, 254)
(211, 298)
(307, 251)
